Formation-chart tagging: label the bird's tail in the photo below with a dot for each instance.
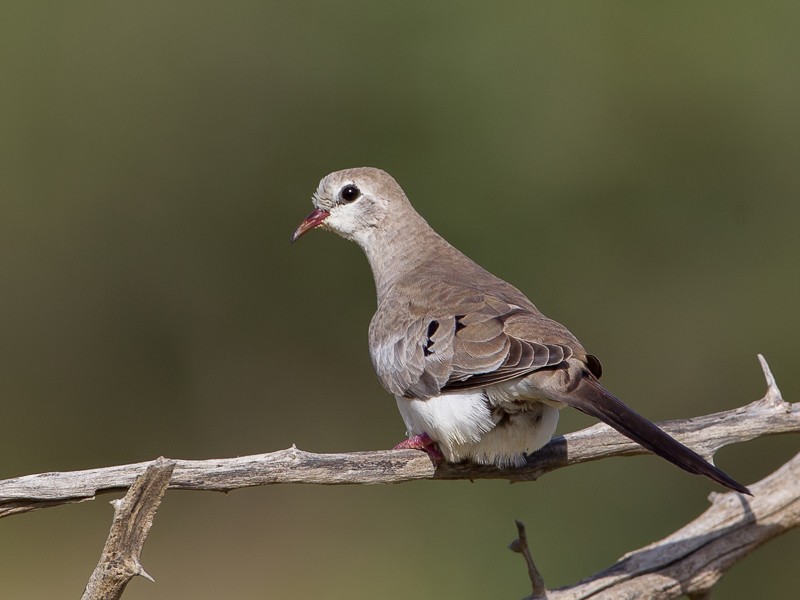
(593, 399)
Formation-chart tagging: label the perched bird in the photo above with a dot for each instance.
(475, 368)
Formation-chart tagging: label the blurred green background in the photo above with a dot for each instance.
(632, 167)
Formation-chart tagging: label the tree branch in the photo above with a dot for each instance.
(691, 560)
(707, 434)
(133, 517)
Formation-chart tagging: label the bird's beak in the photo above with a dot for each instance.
(315, 219)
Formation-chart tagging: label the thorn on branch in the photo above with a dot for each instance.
(773, 395)
(520, 545)
(145, 574)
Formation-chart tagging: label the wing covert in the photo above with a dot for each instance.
(465, 343)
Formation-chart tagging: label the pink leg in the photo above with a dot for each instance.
(423, 442)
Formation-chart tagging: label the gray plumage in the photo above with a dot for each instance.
(471, 361)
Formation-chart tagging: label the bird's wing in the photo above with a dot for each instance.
(462, 338)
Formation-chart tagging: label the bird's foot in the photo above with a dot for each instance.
(422, 442)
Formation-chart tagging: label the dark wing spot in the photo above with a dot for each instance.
(459, 324)
(594, 365)
(433, 327)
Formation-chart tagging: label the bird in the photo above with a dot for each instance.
(479, 374)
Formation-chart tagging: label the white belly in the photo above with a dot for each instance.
(479, 428)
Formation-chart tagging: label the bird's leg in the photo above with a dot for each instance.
(422, 441)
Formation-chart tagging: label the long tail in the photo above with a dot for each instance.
(593, 399)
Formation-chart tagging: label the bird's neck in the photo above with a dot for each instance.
(396, 251)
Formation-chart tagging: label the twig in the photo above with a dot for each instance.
(133, 517)
(520, 545)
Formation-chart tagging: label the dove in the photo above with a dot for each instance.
(478, 372)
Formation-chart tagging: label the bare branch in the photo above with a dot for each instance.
(688, 562)
(707, 434)
(691, 560)
(133, 517)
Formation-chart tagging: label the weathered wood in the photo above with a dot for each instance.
(707, 434)
(133, 517)
(691, 560)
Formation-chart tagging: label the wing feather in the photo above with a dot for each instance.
(462, 339)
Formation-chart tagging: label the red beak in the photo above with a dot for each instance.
(315, 219)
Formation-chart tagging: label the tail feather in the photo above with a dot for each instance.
(593, 399)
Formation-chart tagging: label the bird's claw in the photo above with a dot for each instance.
(422, 442)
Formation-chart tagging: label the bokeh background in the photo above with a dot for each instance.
(632, 167)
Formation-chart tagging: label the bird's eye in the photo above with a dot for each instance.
(349, 193)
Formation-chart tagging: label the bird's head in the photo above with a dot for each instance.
(353, 203)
